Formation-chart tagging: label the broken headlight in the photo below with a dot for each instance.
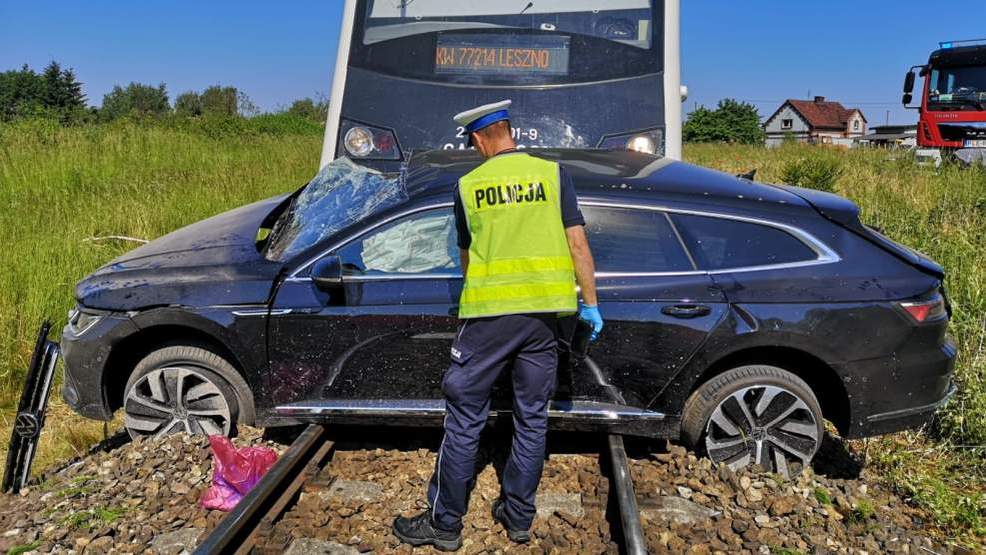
(79, 320)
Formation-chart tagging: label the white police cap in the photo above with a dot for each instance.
(483, 116)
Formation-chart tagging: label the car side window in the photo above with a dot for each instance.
(721, 243)
(633, 240)
(421, 243)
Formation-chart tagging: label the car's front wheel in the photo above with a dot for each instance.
(180, 389)
(755, 415)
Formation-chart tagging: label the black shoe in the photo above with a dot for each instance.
(419, 530)
(500, 515)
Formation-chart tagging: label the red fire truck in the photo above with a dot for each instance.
(953, 102)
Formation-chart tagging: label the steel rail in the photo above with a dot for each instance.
(237, 532)
(633, 532)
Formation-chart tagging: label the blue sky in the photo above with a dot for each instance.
(755, 50)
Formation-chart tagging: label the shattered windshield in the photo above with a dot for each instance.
(342, 194)
(959, 86)
(626, 21)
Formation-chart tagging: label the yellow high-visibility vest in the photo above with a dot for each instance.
(519, 260)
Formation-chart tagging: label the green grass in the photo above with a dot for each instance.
(93, 516)
(25, 548)
(862, 512)
(77, 486)
(822, 496)
(62, 189)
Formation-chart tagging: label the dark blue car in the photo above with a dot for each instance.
(739, 315)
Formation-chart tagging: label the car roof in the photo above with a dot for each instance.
(606, 174)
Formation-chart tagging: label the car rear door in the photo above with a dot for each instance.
(657, 306)
(385, 331)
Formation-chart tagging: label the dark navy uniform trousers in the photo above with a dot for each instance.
(483, 349)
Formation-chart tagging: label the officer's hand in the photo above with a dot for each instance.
(591, 314)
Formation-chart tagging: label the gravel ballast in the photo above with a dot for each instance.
(142, 497)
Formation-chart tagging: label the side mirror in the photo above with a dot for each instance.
(906, 99)
(909, 82)
(327, 273)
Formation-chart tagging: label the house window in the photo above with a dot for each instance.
(855, 125)
(787, 123)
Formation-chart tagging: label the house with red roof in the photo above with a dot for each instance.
(817, 121)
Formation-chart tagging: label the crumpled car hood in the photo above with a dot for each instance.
(214, 261)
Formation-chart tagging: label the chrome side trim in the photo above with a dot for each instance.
(263, 312)
(902, 413)
(402, 277)
(824, 254)
(396, 408)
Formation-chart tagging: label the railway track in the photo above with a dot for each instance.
(242, 530)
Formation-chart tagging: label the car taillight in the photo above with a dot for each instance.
(926, 310)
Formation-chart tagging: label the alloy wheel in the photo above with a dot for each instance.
(176, 399)
(766, 425)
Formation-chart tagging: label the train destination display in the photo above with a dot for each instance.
(499, 54)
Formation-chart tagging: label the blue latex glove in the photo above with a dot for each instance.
(591, 314)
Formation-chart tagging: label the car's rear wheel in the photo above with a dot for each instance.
(755, 415)
(180, 389)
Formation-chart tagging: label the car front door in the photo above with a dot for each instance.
(657, 305)
(385, 331)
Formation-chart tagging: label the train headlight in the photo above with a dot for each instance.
(649, 142)
(359, 142)
(366, 142)
(642, 143)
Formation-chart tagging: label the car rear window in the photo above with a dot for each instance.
(720, 243)
(633, 240)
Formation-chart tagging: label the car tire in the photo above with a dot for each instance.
(755, 414)
(182, 389)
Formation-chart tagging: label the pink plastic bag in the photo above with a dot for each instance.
(234, 472)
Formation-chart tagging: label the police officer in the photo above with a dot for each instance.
(523, 248)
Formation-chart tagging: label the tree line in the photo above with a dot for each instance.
(57, 93)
